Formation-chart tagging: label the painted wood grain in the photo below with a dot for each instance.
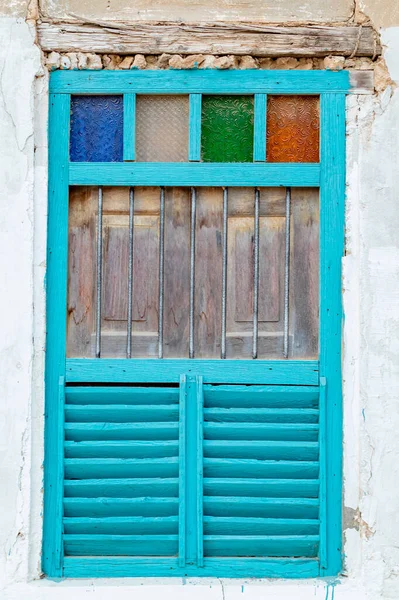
(271, 372)
(194, 174)
(206, 81)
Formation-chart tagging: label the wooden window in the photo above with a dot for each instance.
(193, 388)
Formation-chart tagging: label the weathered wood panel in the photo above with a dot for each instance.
(208, 273)
(81, 271)
(304, 288)
(304, 259)
(209, 38)
(177, 272)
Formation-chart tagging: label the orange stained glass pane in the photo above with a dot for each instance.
(293, 126)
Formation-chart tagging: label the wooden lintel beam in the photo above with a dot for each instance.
(205, 38)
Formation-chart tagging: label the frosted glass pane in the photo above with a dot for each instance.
(162, 128)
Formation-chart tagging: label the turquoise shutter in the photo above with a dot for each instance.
(121, 468)
(261, 471)
(207, 476)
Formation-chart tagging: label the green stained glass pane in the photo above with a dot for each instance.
(227, 128)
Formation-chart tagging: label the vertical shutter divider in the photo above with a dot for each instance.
(200, 473)
(322, 477)
(182, 470)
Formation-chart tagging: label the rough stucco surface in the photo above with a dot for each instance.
(371, 346)
(382, 14)
(202, 10)
(13, 8)
(371, 298)
(17, 55)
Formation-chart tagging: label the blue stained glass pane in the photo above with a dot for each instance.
(96, 129)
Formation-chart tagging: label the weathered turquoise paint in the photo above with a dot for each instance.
(196, 174)
(56, 297)
(194, 142)
(298, 380)
(332, 227)
(129, 127)
(268, 372)
(260, 128)
(146, 567)
(199, 82)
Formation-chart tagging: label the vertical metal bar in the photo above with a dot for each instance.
(130, 275)
(287, 270)
(161, 271)
(256, 276)
(99, 270)
(224, 272)
(192, 270)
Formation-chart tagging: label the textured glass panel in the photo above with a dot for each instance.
(293, 124)
(162, 128)
(96, 129)
(227, 128)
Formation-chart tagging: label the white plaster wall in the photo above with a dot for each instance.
(19, 63)
(371, 364)
(372, 333)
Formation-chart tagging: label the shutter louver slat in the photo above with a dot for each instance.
(261, 471)
(121, 472)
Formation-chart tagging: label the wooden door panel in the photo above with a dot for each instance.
(304, 260)
(208, 273)
(177, 272)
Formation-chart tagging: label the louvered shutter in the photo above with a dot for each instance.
(261, 471)
(121, 468)
(204, 477)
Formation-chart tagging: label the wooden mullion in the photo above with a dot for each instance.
(260, 127)
(57, 260)
(129, 127)
(332, 201)
(194, 147)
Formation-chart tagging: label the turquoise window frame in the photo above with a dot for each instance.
(328, 175)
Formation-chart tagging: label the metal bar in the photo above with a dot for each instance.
(287, 270)
(99, 270)
(130, 275)
(256, 276)
(161, 271)
(224, 273)
(192, 270)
